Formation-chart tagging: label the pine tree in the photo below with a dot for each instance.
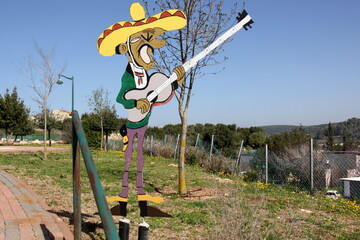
(14, 115)
(330, 139)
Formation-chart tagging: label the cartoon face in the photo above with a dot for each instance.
(141, 46)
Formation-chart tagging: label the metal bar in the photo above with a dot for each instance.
(266, 164)
(76, 185)
(239, 157)
(176, 145)
(72, 94)
(197, 140)
(98, 191)
(151, 145)
(311, 166)
(211, 147)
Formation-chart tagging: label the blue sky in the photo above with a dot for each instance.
(300, 64)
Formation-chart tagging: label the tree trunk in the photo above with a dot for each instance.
(6, 136)
(49, 135)
(45, 129)
(102, 133)
(182, 175)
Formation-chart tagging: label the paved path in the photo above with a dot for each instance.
(17, 149)
(24, 215)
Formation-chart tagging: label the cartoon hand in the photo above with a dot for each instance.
(180, 72)
(143, 104)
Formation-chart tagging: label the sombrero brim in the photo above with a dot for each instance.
(119, 32)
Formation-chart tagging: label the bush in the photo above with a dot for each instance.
(192, 156)
(159, 149)
(93, 138)
(251, 176)
(195, 156)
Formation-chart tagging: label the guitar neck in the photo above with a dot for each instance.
(192, 62)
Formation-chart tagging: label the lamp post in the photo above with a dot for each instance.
(72, 88)
(76, 167)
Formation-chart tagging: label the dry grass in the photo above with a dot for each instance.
(216, 207)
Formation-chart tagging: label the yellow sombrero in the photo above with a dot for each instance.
(119, 32)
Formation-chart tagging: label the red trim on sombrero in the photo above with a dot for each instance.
(99, 41)
(151, 19)
(179, 14)
(165, 14)
(139, 23)
(107, 32)
(117, 26)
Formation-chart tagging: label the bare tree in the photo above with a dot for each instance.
(100, 104)
(42, 72)
(205, 22)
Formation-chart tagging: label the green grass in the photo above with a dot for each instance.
(230, 209)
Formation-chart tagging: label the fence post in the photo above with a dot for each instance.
(197, 140)
(266, 164)
(176, 145)
(311, 167)
(212, 144)
(151, 145)
(239, 157)
(165, 139)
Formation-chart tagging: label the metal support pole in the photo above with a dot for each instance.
(176, 145)
(72, 94)
(197, 140)
(151, 144)
(266, 164)
(211, 147)
(97, 189)
(239, 157)
(76, 185)
(311, 167)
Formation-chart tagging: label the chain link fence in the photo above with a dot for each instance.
(302, 167)
(306, 169)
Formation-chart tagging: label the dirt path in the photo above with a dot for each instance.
(17, 149)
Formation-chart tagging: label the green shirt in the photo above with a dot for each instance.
(128, 83)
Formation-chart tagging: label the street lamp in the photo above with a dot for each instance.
(76, 167)
(59, 82)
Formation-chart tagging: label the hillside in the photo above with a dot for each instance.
(350, 127)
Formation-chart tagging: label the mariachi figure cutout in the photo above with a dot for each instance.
(138, 40)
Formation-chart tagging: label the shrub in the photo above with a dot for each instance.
(251, 176)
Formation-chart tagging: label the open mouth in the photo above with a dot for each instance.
(145, 54)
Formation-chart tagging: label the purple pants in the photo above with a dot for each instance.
(140, 161)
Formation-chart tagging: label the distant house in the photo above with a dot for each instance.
(61, 115)
(351, 187)
(341, 165)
